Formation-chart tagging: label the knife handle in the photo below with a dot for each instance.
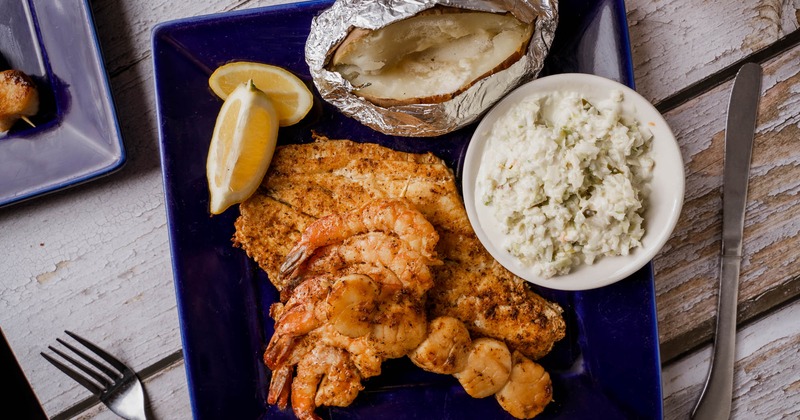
(715, 401)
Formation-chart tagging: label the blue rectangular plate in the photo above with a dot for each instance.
(607, 366)
(77, 136)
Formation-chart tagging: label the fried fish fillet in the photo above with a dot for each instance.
(308, 181)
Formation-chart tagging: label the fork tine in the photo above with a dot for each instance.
(94, 389)
(105, 369)
(100, 352)
(86, 369)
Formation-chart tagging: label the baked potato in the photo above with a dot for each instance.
(430, 57)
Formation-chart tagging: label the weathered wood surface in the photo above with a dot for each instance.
(687, 268)
(766, 378)
(677, 43)
(95, 259)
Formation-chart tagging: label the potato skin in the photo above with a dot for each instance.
(357, 35)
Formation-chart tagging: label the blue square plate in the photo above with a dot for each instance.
(607, 366)
(76, 137)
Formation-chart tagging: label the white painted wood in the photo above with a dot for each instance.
(687, 267)
(124, 27)
(766, 379)
(676, 43)
(95, 259)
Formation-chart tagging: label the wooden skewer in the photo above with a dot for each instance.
(24, 118)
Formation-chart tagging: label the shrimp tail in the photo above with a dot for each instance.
(290, 284)
(278, 351)
(296, 320)
(294, 260)
(279, 387)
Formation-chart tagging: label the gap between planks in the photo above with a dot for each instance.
(713, 80)
(749, 312)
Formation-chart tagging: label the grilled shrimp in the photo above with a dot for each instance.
(354, 296)
(362, 352)
(280, 385)
(325, 376)
(446, 347)
(405, 268)
(488, 368)
(301, 314)
(528, 389)
(346, 306)
(395, 216)
(397, 326)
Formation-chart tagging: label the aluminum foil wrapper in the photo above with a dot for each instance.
(423, 120)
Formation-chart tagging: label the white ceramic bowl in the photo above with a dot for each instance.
(663, 206)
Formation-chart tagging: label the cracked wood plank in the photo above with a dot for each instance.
(677, 43)
(766, 382)
(95, 259)
(124, 27)
(687, 269)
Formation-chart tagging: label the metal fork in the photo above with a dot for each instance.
(120, 390)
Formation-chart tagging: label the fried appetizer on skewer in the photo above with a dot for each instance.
(19, 98)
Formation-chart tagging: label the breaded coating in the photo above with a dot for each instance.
(308, 181)
(18, 98)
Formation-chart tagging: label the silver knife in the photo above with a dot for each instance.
(715, 401)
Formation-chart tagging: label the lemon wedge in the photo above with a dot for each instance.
(288, 93)
(242, 145)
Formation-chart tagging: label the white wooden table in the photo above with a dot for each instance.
(94, 259)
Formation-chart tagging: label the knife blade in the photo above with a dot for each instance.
(715, 400)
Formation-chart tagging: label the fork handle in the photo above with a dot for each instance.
(715, 401)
